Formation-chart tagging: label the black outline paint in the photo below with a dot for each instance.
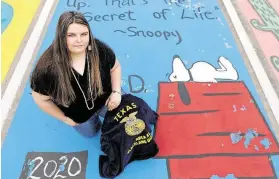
(224, 134)
(120, 31)
(217, 155)
(221, 94)
(130, 84)
(188, 112)
(184, 94)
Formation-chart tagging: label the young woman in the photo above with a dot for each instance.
(76, 76)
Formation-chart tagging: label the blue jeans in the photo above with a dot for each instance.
(91, 127)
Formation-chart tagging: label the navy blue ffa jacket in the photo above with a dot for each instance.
(126, 136)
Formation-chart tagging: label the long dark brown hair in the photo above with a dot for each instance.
(56, 62)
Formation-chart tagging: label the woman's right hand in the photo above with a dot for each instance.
(70, 122)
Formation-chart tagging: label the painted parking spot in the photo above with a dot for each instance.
(15, 20)
(263, 18)
(211, 116)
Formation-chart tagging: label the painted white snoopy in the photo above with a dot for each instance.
(202, 71)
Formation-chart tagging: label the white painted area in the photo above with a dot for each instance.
(264, 81)
(25, 59)
(202, 71)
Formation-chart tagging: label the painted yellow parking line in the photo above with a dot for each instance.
(23, 13)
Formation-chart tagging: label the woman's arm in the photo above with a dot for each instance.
(115, 98)
(45, 104)
(116, 76)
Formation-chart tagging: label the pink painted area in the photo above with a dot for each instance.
(267, 40)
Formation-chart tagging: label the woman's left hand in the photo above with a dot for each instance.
(113, 101)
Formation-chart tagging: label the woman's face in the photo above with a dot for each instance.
(77, 38)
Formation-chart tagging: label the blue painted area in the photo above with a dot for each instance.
(236, 137)
(31, 166)
(256, 148)
(275, 163)
(229, 176)
(266, 143)
(149, 58)
(152, 168)
(62, 167)
(7, 13)
(249, 135)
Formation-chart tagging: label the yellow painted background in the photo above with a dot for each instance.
(24, 11)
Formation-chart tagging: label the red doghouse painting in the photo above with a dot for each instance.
(209, 128)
